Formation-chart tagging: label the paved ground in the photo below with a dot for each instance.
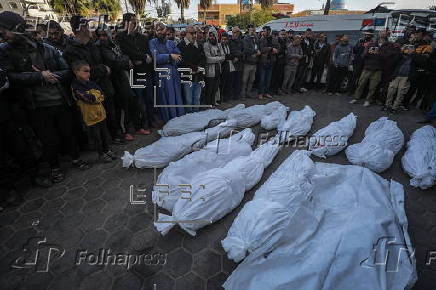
(91, 210)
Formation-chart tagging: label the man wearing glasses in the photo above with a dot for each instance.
(192, 58)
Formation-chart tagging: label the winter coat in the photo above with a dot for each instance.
(251, 47)
(266, 44)
(214, 56)
(192, 57)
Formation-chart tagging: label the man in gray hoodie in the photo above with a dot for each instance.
(294, 53)
(342, 60)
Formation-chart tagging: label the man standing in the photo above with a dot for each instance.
(269, 48)
(306, 62)
(322, 49)
(56, 36)
(358, 52)
(342, 59)
(251, 56)
(214, 57)
(39, 75)
(278, 72)
(167, 57)
(192, 58)
(236, 45)
(135, 46)
(294, 53)
(228, 69)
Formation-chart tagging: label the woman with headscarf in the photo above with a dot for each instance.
(214, 57)
(166, 57)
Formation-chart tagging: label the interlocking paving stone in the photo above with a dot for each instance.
(98, 280)
(215, 282)
(127, 281)
(207, 263)
(178, 263)
(74, 214)
(190, 282)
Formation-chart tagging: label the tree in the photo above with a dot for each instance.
(138, 6)
(205, 4)
(182, 4)
(255, 17)
(327, 7)
(265, 4)
(71, 7)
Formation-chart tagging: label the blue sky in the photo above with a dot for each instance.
(316, 4)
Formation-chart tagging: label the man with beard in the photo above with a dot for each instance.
(214, 57)
(135, 46)
(277, 75)
(237, 50)
(39, 76)
(251, 57)
(167, 57)
(358, 51)
(322, 51)
(82, 47)
(56, 36)
(125, 109)
(306, 62)
(269, 48)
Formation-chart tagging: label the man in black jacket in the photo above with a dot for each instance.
(192, 58)
(38, 74)
(278, 72)
(236, 46)
(135, 46)
(82, 47)
(125, 110)
(322, 53)
(251, 58)
(56, 36)
(306, 62)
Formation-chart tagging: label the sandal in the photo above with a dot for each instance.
(81, 165)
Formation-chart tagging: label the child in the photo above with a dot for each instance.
(89, 98)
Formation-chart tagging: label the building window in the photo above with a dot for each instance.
(13, 5)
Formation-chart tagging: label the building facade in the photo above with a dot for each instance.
(29, 9)
(217, 14)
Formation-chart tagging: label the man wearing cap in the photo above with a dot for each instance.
(251, 56)
(39, 76)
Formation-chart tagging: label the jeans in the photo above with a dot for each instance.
(265, 74)
(192, 95)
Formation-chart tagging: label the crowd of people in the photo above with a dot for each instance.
(95, 88)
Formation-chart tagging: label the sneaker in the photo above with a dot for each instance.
(330, 94)
(81, 164)
(143, 132)
(303, 90)
(353, 101)
(384, 109)
(366, 104)
(128, 137)
(268, 96)
(338, 94)
(57, 175)
(404, 108)
(395, 111)
(112, 155)
(260, 97)
(105, 158)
